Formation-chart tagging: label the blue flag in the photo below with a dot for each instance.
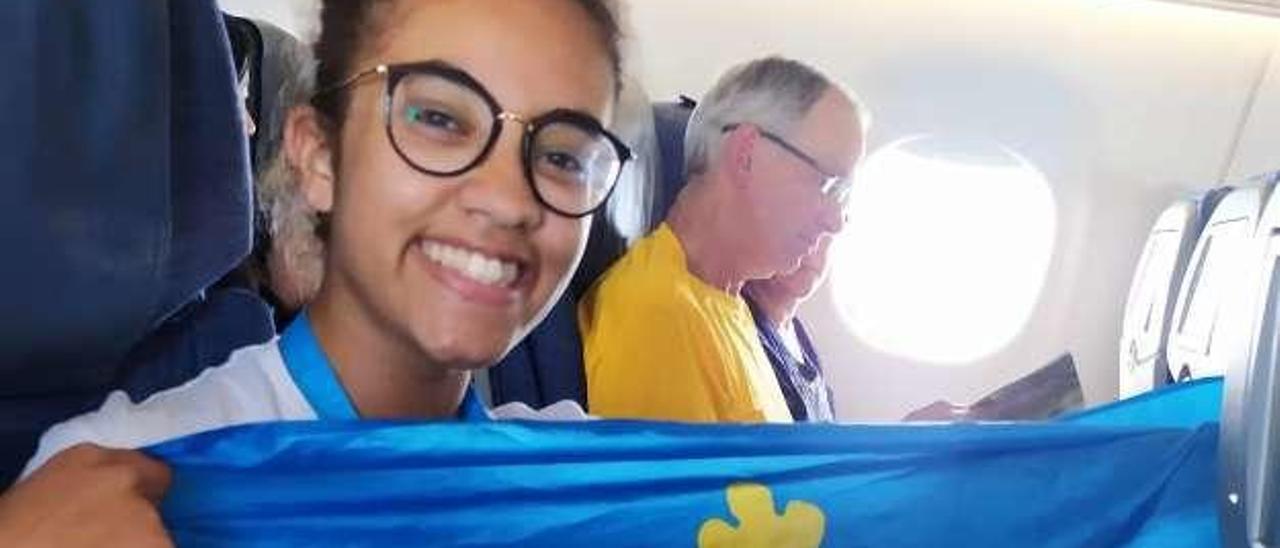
(1145, 479)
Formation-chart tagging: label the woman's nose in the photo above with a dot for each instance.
(498, 188)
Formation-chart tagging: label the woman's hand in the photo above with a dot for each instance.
(87, 496)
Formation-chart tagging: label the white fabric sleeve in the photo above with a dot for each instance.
(253, 386)
(561, 411)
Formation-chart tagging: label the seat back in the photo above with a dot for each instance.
(120, 210)
(1209, 329)
(1250, 427)
(212, 201)
(670, 121)
(1154, 291)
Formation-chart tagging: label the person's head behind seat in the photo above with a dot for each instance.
(449, 265)
(288, 255)
(787, 139)
(782, 293)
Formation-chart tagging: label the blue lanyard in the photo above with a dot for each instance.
(315, 377)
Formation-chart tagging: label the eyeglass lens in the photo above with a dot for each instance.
(444, 127)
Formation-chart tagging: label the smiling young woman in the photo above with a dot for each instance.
(458, 151)
(445, 241)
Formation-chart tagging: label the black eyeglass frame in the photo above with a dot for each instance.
(829, 182)
(395, 73)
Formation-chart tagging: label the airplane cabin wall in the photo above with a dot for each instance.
(1259, 147)
(1122, 104)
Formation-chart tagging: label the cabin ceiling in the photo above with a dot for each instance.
(1261, 7)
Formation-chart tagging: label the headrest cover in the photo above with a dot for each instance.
(670, 120)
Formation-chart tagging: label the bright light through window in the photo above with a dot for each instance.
(946, 249)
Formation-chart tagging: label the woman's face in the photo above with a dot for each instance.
(462, 267)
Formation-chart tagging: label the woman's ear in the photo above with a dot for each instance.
(311, 155)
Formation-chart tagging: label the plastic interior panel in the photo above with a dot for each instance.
(1213, 314)
(1151, 296)
(1250, 431)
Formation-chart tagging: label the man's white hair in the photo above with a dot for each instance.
(772, 93)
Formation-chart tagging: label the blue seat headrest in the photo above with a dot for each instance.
(124, 188)
(670, 121)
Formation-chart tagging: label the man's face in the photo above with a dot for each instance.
(789, 214)
(799, 284)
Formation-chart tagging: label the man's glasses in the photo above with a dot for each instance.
(834, 186)
(443, 123)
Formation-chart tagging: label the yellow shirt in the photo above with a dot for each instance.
(662, 344)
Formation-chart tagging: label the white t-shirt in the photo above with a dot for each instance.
(253, 386)
(256, 384)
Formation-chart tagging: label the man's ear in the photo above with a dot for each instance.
(311, 154)
(736, 152)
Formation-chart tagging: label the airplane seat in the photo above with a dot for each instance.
(1209, 330)
(231, 314)
(629, 213)
(1154, 290)
(670, 119)
(547, 366)
(213, 321)
(118, 213)
(1249, 448)
(200, 335)
(278, 67)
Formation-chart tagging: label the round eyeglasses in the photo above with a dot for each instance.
(444, 123)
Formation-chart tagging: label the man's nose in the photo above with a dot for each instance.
(832, 217)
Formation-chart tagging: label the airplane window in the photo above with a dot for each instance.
(946, 250)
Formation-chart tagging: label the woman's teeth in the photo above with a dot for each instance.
(474, 266)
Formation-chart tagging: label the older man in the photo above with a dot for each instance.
(667, 335)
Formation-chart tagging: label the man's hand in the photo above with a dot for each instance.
(87, 496)
(940, 411)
